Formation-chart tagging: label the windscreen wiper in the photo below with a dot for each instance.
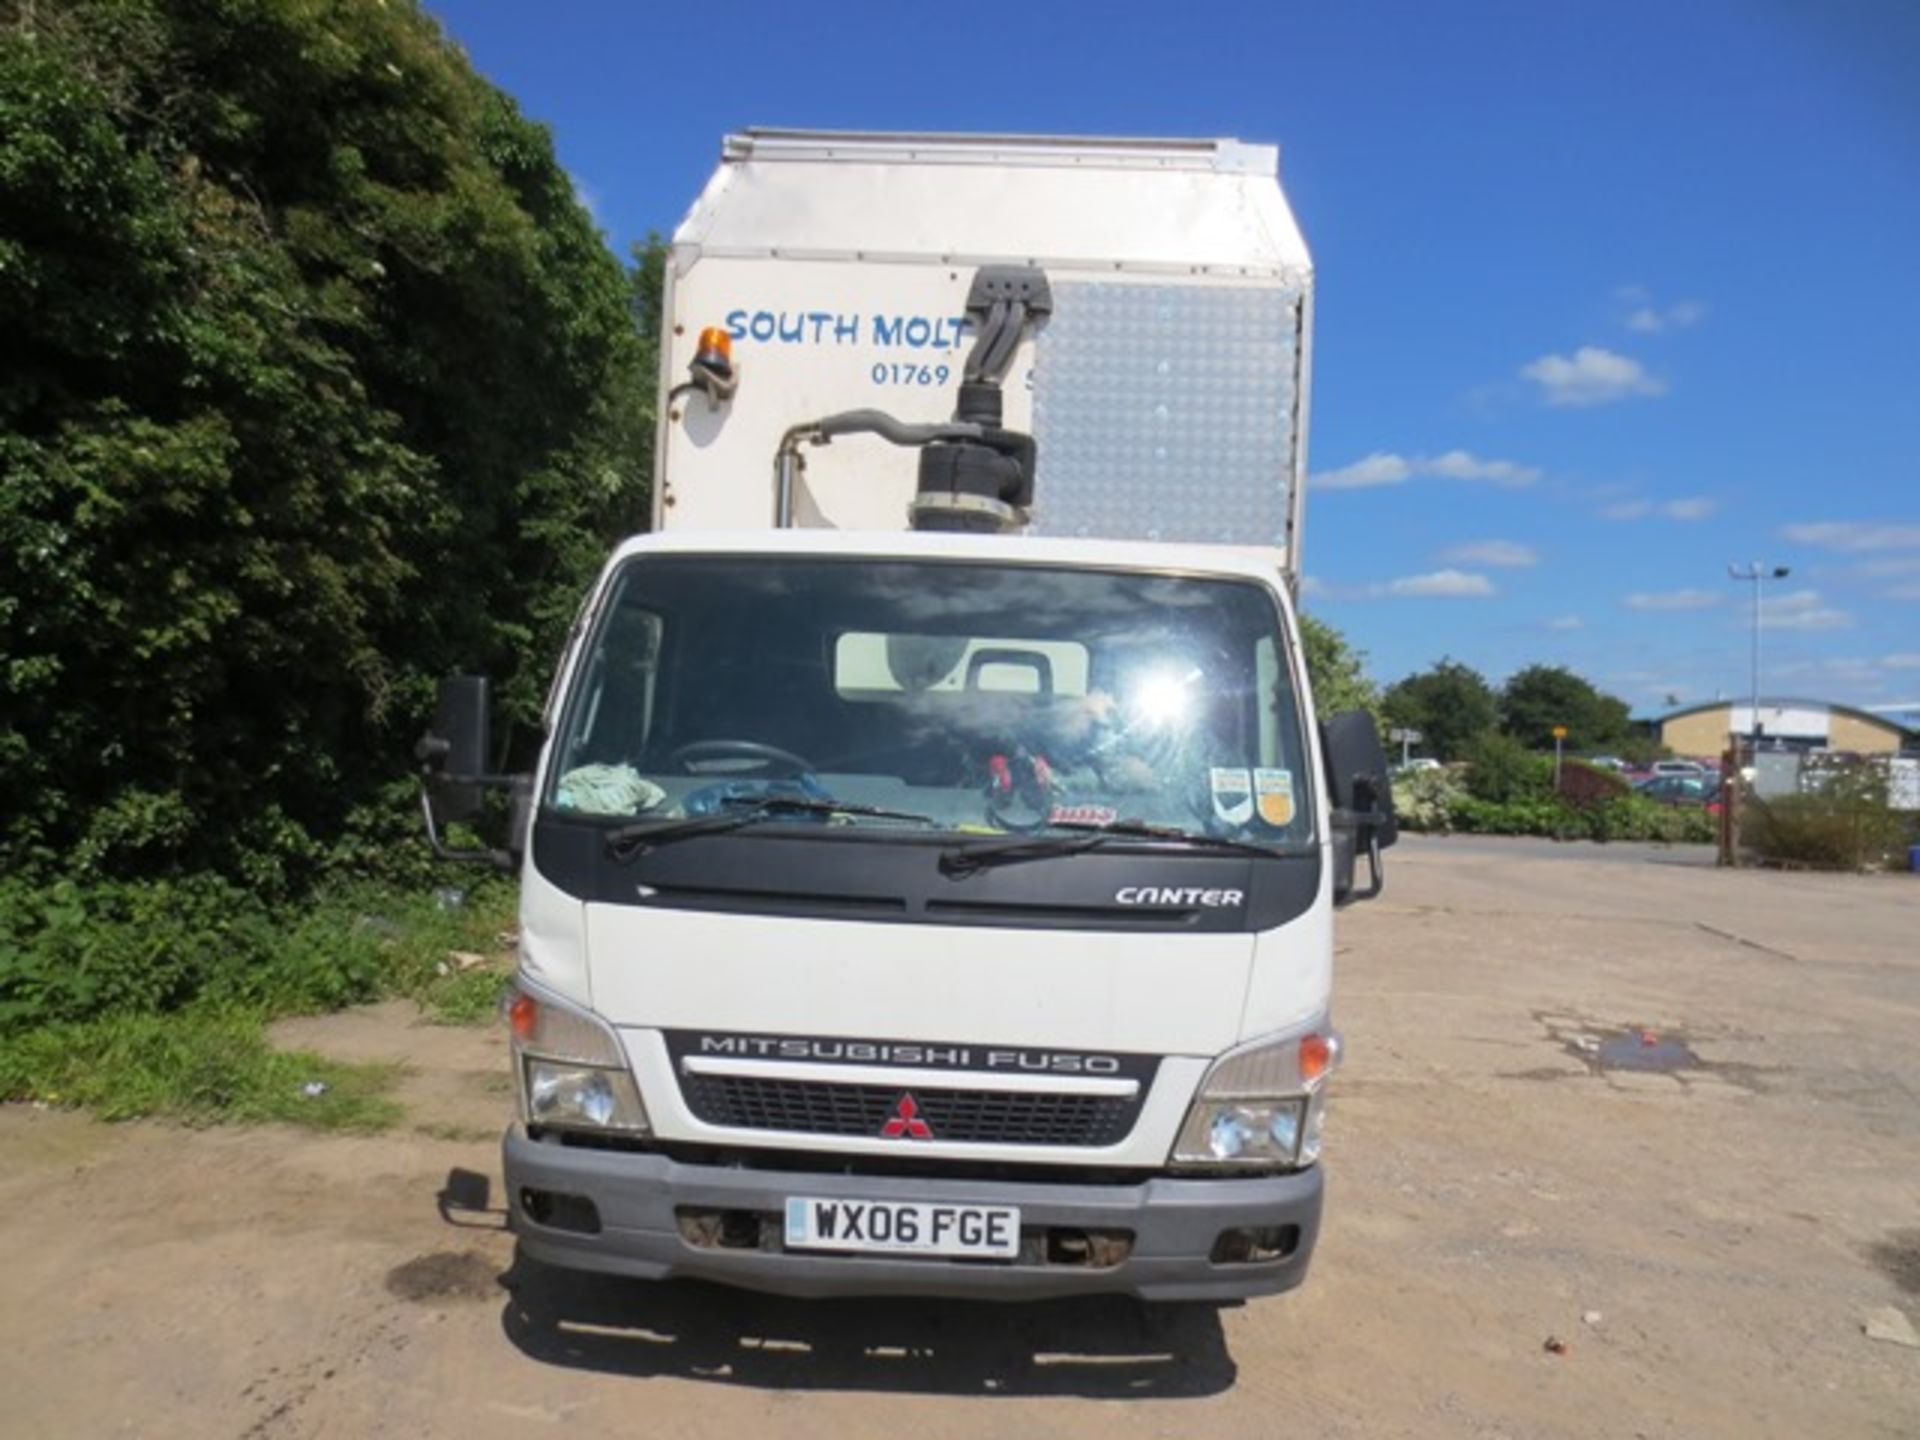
(961, 861)
(630, 841)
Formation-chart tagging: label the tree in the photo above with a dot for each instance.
(1336, 671)
(1540, 697)
(316, 382)
(1451, 705)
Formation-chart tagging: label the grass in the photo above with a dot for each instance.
(196, 1068)
(153, 1001)
(468, 997)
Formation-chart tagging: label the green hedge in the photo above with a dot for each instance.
(1439, 801)
(71, 953)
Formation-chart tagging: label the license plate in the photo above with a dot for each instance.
(895, 1227)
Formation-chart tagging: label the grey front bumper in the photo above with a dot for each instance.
(1175, 1223)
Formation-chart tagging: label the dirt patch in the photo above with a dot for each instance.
(1898, 1258)
(447, 1275)
(453, 1081)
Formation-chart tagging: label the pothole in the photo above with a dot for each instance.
(1635, 1050)
(1643, 1051)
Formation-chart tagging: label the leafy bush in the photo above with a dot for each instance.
(1450, 704)
(1587, 785)
(1537, 699)
(1424, 799)
(1501, 770)
(1844, 824)
(70, 952)
(318, 383)
(1336, 671)
(1536, 816)
(1436, 800)
(1632, 817)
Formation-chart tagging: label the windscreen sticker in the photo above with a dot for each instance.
(1232, 794)
(1273, 791)
(1082, 815)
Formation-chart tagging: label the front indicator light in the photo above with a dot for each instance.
(1318, 1055)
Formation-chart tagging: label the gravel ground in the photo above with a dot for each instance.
(1704, 1245)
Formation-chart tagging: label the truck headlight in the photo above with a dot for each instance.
(569, 1069)
(582, 1097)
(1261, 1106)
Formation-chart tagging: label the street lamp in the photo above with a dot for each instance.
(1756, 572)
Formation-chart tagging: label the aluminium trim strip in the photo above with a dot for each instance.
(1290, 277)
(908, 1078)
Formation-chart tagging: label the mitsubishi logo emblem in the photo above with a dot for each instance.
(905, 1122)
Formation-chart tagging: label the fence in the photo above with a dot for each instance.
(1819, 809)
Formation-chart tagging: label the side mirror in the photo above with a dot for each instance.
(454, 752)
(1362, 801)
(453, 763)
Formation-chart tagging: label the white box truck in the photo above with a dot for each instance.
(928, 877)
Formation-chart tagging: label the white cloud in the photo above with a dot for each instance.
(1566, 622)
(1385, 468)
(1460, 465)
(1591, 376)
(1312, 586)
(1693, 507)
(1802, 610)
(1852, 670)
(1883, 569)
(1437, 584)
(1674, 599)
(1903, 592)
(1652, 319)
(1854, 536)
(1378, 468)
(1905, 660)
(1855, 672)
(1507, 553)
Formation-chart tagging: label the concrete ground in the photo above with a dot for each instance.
(1703, 1245)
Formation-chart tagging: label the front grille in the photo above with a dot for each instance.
(982, 1117)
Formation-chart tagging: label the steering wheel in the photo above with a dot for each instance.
(1018, 778)
(688, 757)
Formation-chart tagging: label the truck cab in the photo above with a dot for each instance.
(928, 883)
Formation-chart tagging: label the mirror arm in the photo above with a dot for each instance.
(1364, 825)
(1377, 878)
(503, 860)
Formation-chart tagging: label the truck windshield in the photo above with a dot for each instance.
(969, 697)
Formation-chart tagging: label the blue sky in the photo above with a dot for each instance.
(1609, 294)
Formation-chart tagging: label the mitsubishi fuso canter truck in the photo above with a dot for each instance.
(928, 876)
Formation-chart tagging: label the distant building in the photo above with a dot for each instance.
(1800, 724)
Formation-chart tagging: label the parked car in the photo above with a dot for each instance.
(1609, 762)
(1678, 767)
(1416, 765)
(1695, 789)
